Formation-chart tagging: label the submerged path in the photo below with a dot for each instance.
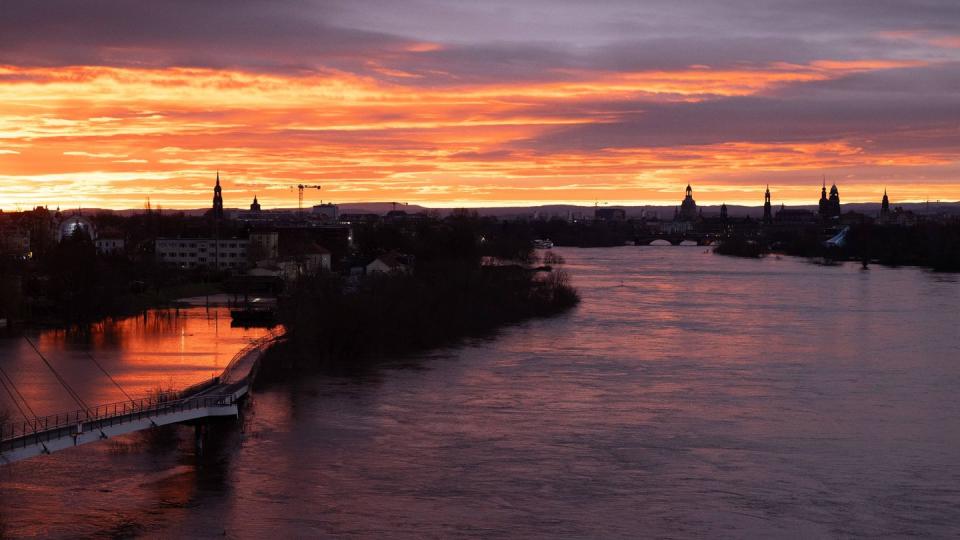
(216, 397)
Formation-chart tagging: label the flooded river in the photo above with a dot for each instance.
(689, 395)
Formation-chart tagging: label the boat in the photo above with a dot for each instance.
(542, 244)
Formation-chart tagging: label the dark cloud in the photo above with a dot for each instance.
(901, 110)
(489, 41)
(271, 34)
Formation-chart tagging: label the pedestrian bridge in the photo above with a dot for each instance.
(217, 397)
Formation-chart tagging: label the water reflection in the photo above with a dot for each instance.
(159, 349)
(689, 395)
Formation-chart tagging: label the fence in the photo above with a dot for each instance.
(42, 429)
(22, 434)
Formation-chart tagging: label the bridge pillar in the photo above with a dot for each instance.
(199, 434)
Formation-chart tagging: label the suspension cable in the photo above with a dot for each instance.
(76, 397)
(14, 400)
(3, 374)
(115, 383)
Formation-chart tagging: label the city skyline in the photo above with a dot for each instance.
(500, 104)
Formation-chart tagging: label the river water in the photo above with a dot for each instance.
(689, 395)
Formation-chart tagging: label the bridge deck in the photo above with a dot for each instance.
(218, 396)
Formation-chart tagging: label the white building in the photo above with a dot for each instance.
(331, 212)
(230, 253)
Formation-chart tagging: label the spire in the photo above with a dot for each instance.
(217, 211)
(767, 209)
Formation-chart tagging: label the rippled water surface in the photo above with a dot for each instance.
(689, 395)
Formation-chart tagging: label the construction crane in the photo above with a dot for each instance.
(300, 188)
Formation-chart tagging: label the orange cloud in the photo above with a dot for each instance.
(110, 137)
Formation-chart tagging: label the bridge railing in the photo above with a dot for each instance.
(160, 401)
(258, 343)
(10, 430)
(18, 435)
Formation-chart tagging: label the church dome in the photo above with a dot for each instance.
(72, 224)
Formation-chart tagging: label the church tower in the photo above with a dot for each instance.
(688, 208)
(217, 212)
(824, 203)
(885, 208)
(767, 210)
(255, 206)
(834, 201)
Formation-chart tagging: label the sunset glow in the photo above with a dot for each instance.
(392, 112)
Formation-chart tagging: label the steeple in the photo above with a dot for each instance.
(767, 210)
(824, 203)
(884, 206)
(217, 211)
(255, 206)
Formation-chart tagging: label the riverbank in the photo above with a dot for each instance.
(331, 323)
(933, 246)
(113, 308)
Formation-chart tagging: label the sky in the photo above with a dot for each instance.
(449, 103)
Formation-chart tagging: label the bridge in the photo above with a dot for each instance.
(219, 396)
(675, 238)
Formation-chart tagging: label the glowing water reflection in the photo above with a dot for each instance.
(690, 395)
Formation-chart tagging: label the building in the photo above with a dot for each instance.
(263, 245)
(391, 263)
(110, 244)
(688, 208)
(795, 217)
(829, 207)
(329, 212)
(352, 218)
(671, 227)
(223, 254)
(15, 242)
(74, 224)
(609, 214)
(217, 211)
(309, 262)
(767, 209)
(254, 206)
(885, 209)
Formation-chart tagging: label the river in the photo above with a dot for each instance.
(689, 395)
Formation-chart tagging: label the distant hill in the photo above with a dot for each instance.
(567, 210)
